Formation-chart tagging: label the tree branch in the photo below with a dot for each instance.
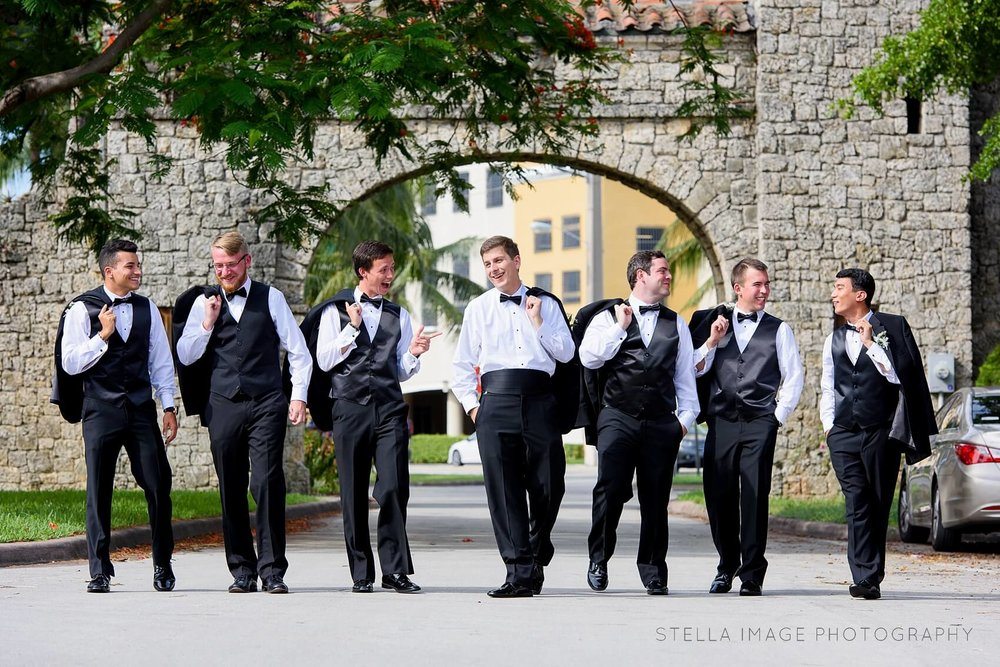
(38, 87)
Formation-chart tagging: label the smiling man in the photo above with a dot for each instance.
(515, 337)
(113, 341)
(242, 329)
(875, 405)
(648, 402)
(366, 345)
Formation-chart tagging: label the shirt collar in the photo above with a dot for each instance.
(245, 287)
(113, 296)
(357, 297)
(868, 316)
(636, 303)
(518, 292)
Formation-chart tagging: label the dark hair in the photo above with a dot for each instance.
(492, 242)
(109, 253)
(741, 267)
(365, 254)
(641, 260)
(861, 280)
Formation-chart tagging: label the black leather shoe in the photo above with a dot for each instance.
(243, 584)
(537, 579)
(597, 576)
(723, 583)
(274, 584)
(656, 587)
(99, 584)
(865, 589)
(399, 583)
(163, 578)
(750, 589)
(362, 586)
(509, 590)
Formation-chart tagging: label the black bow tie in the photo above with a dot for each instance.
(647, 309)
(372, 300)
(743, 316)
(240, 292)
(515, 299)
(120, 301)
(850, 327)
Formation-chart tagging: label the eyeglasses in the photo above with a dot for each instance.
(219, 268)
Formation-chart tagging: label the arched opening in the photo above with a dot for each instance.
(576, 224)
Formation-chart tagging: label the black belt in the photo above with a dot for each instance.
(516, 382)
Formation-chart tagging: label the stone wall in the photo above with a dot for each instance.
(984, 210)
(806, 191)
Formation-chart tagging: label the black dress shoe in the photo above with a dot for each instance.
(243, 584)
(597, 576)
(865, 589)
(537, 579)
(656, 587)
(723, 583)
(362, 586)
(274, 584)
(509, 590)
(399, 583)
(163, 578)
(99, 584)
(750, 589)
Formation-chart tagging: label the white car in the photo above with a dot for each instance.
(464, 451)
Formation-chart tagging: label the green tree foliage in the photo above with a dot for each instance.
(989, 372)
(956, 46)
(392, 217)
(686, 256)
(256, 77)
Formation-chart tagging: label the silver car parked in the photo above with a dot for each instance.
(957, 489)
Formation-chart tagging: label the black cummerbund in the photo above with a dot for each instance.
(517, 382)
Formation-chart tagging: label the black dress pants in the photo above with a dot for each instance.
(248, 444)
(524, 466)
(106, 429)
(361, 434)
(867, 466)
(645, 449)
(739, 456)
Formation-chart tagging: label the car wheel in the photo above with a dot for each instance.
(907, 531)
(942, 539)
(456, 458)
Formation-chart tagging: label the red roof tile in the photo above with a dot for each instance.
(655, 15)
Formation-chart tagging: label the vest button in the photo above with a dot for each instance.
(740, 376)
(742, 362)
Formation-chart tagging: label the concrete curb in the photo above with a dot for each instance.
(75, 547)
(779, 524)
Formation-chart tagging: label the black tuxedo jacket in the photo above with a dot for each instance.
(914, 422)
(701, 329)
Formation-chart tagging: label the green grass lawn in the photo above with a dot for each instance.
(28, 516)
(427, 479)
(828, 510)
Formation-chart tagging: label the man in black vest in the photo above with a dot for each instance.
(514, 338)
(242, 332)
(755, 379)
(875, 405)
(648, 403)
(367, 345)
(114, 338)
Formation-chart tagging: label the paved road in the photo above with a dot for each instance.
(935, 609)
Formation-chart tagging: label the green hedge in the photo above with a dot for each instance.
(989, 372)
(431, 447)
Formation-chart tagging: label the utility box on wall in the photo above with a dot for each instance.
(941, 372)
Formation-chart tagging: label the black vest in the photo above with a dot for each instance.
(744, 384)
(864, 398)
(640, 380)
(245, 353)
(370, 370)
(122, 373)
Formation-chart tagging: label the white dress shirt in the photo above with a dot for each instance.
(828, 399)
(497, 336)
(603, 338)
(194, 340)
(334, 344)
(82, 348)
(789, 361)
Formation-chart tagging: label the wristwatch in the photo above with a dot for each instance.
(170, 409)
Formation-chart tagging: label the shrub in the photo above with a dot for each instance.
(431, 447)
(321, 462)
(989, 372)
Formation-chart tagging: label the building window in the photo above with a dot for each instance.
(543, 234)
(914, 116)
(428, 200)
(571, 287)
(494, 189)
(647, 238)
(571, 231)
(544, 280)
(464, 175)
(428, 314)
(460, 266)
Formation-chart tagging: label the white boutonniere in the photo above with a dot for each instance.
(731, 305)
(882, 340)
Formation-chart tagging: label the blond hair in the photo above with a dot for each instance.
(231, 243)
